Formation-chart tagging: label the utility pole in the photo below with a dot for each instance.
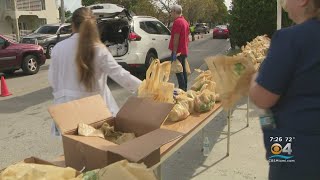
(279, 14)
(63, 16)
(16, 21)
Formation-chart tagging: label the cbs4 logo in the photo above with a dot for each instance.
(276, 149)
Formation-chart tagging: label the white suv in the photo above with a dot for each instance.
(134, 41)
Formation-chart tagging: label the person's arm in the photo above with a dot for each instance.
(51, 70)
(176, 38)
(176, 30)
(275, 73)
(117, 72)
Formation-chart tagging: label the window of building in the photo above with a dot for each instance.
(43, 3)
(9, 4)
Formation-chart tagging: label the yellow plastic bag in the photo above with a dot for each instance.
(26, 171)
(233, 76)
(106, 131)
(178, 113)
(176, 67)
(192, 94)
(126, 171)
(188, 70)
(186, 102)
(205, 101)
(86, 130)
(156, 85)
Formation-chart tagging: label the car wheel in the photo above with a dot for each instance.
(150, 57)
(49, 50)
(30, 65)
(9, 71)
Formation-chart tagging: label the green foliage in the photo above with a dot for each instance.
(251, 18)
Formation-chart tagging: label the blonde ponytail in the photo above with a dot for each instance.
(85, 22)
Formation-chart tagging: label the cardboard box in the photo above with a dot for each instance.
(141, 116)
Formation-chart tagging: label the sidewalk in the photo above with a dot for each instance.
(247, 155)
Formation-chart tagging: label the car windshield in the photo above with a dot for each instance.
(47, 30)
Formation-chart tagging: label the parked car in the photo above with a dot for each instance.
(48, 35)
(134, 41)
(202, 28)
(14, 56)
(221, 31)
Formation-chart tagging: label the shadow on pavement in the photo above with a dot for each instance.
(20, 103)
(189, 158)
(20, 73)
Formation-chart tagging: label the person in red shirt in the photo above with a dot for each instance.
(179, 43)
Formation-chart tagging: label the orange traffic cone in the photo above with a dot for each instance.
(4, 88)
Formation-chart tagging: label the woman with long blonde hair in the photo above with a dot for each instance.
(288, 87)
(81, 64)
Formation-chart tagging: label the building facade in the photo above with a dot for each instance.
(20, 17)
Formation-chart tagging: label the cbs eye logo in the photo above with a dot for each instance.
(276, 148)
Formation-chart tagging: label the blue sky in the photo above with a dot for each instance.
(74, 4)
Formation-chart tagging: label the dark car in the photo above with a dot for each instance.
(14, 56)
(48, 36)
(221, 31)
(201, 28)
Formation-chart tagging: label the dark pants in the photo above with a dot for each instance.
(281, 171)
(182, 77)
(192, 35)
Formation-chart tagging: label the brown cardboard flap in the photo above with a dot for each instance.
(141, 147)
(141, 115)
(88, 110)
(35, 160)
(96, 142)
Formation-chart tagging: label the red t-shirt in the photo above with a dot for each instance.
(181, 27)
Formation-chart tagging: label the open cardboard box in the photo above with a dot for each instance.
(140, 116)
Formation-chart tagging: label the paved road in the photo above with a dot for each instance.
(25, 122)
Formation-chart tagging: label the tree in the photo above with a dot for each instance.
(164, 8)
(251, 18)
(68, 14)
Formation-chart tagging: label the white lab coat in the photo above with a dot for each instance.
(63, 75)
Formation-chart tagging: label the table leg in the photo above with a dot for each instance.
(228, 136)
(248, 111)
(157, 172)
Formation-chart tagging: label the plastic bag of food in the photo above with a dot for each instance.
(205, 101)
(205, 77)
(86, 130)
(26, 171)
(115, 136)
(106, 131)
(192, 94)
(186, 102)
(156, 85)
(198, 84)
(178, 113)
(176, 67)
(233, 76)
(126, 171)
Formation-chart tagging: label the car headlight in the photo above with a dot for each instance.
(42, 41)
